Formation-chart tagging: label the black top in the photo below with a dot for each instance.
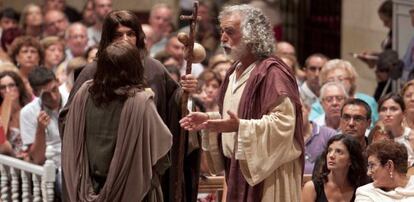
(320, 192)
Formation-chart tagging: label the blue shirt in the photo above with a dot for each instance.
(315, 145)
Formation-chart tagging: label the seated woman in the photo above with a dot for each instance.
(27, 54)
(54, 52)
(387, 166)
(13, 96)
(391, 113)
(343, 171)
(31, 20)
(407, 92)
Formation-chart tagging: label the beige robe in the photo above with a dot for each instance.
(266, 148)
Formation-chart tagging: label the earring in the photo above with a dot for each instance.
(391, 174)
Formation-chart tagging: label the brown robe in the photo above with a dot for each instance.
(141, 141)
(167, 100)
(268, 81)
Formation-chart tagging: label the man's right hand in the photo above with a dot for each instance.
(189, 83)
(194, 121)
(369, 58)
(43, 119)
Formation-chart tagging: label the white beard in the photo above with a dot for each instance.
(237, 52)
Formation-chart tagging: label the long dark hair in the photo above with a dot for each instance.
(119, 65)
(24, 96)
(112, 21)
(357, 173)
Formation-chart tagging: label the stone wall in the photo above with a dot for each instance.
(362, 30)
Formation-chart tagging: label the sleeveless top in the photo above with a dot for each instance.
(320, 192)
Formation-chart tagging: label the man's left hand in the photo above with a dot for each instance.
(189, 83)
(230, 124)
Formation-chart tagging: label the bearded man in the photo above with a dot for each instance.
(262, 151)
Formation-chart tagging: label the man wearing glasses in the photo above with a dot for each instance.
(332, 98)
(309, 90)
(355, 120)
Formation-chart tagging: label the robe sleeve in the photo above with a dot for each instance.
(267, 143)
(211, 147)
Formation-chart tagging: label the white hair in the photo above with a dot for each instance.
(330, 84)
(73, 26)
(255, 28)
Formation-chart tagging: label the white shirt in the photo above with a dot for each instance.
(368, 193)
(307, 94)
(28, 126)
(404, 140)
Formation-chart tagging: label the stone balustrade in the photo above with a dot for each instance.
(24, 181)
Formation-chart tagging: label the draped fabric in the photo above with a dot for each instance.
(269, 81)
(142, 140)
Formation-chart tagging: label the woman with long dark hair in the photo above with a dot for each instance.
(343, 171)
(13, 97)
(114, 125)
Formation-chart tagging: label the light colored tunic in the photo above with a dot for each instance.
(266, 148)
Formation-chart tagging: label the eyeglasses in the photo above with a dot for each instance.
(10, 86)
(330, 99)
(356, 118)
(339, 78)
(372, 166)
(314, 68)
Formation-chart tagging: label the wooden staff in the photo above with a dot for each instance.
(178, 183)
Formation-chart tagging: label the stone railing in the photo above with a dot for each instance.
(24, 181)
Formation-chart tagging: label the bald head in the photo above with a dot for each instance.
(285, 48)
(160, 18)
(56, 23)
(102, 8)
(76, 39)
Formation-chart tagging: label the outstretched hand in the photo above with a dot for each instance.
(194, 121)
(369, 58)
(198, 121)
